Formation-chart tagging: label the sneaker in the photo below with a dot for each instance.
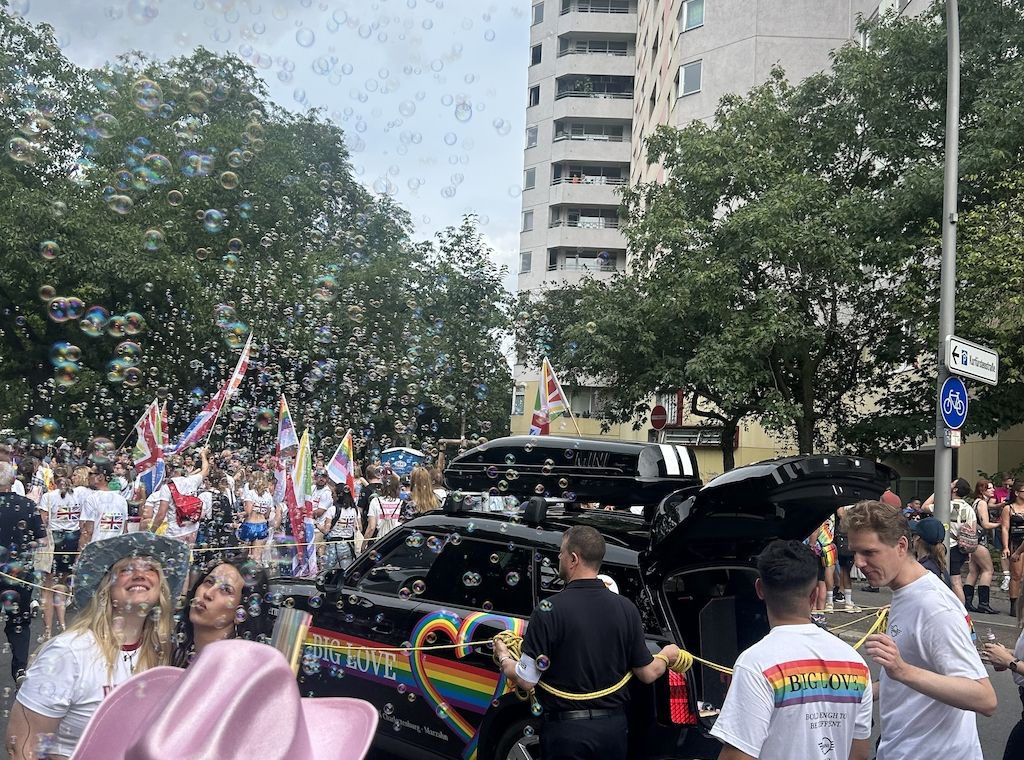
(19, 677)
(837, 594)
(829, 606)
(870, 589)
(1005, 585)
(34, 607)
(851, 608)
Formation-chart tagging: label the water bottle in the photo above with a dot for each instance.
(990, 638)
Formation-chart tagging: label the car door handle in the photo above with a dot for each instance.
(384, 627)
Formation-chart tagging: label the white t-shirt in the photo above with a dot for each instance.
(187, 486)
(18, 487)
(388, 513)
(322, 499)
(958, 508)
(63, 512)
(107, 511)
(933, 631)
(346, 525)
(68, 680)
(262, 504)
(799, 692)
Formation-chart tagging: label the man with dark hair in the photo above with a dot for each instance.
(583, 640)
(800, 691)
(932, 680)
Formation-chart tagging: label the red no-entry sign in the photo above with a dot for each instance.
(659, 417)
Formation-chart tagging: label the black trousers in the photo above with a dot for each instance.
(1015, 743)
(18, 626)
(594, 739)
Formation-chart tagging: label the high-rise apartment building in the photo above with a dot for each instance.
(603, 75)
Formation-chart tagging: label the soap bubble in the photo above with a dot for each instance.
(45, 430)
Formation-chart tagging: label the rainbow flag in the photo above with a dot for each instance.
(286, 437)
(300, 510)
(341, 468)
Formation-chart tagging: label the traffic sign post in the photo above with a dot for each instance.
(953, 403)
(968, 359)
(659, 417)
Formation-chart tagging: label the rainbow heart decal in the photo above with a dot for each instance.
(459, 632)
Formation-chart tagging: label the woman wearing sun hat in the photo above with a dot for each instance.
(124, 588)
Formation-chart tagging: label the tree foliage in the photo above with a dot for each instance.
(176, 199)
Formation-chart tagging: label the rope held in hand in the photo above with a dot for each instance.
(682, 664)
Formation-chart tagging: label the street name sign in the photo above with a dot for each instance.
(968, 359)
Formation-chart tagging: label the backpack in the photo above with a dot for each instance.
(967, 533)
(187, 508)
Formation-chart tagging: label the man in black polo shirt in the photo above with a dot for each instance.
(583, 640)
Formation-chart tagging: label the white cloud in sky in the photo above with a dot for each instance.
(430, 93)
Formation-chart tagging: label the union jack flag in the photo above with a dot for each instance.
(204, 421)
(112, 521)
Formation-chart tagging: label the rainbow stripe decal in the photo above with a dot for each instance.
(801, 681)
(449, 686)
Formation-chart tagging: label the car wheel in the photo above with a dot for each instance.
(520, 741)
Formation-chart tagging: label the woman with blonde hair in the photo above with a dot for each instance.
(258, 503)
(421, 491)
(61, 512)
(125, 588)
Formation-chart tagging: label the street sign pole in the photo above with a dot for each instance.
(947, 291)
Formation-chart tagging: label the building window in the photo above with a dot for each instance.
(538, 13)
(527, 221)
(691, 79)
(693, 14)
(525, 262)
(585, 402)
(519, 402)
(534, 96)
(535, 52)
(530, 179)
(531, 137)
(653, 102)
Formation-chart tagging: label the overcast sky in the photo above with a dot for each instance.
(430, 93)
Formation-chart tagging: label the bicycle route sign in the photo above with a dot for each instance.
(953, 403)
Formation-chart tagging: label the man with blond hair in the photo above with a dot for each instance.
(932, 680)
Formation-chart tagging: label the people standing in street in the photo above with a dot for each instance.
(1014, 523)
(929, 547)
(20, 531)
(979, 572)
(932, 681)
(373, 484)
(339, 526)
(61, 513)
(104, 512)
(177, 488)
(125, 588)
(583, 639)
(961, 515)
(800, 691)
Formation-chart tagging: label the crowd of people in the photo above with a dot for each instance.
(156, 579)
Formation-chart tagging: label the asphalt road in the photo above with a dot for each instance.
(993, 731)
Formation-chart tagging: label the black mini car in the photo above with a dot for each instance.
(459, 577)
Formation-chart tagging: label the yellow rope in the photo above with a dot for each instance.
(881, 621)
(16, 579)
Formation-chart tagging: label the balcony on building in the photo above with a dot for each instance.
(575, 263)
(596, 96)
(593, 54)
(587, 183)
(591, 140)
(585, 227)
(598, 15)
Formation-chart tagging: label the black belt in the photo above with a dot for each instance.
(580, 714)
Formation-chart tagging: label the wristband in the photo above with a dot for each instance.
(1013, 665)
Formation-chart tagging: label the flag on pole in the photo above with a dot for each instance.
(300, 510)
(286, 437)
(204, 421)
(551, 402)
(148, 455)
(341, 468)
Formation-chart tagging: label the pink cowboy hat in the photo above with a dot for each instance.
(238, 700)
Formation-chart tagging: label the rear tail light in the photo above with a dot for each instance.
(680, 709)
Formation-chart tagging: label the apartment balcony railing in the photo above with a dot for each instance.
(585, 94)
(564, 266)
(591, 223)
(618, 53)
(589, 181)
(601, 138)
(599, 8)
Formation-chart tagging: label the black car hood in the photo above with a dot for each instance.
(576, 469)
(738, 513)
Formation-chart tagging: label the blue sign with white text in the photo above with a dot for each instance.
(953, 402)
